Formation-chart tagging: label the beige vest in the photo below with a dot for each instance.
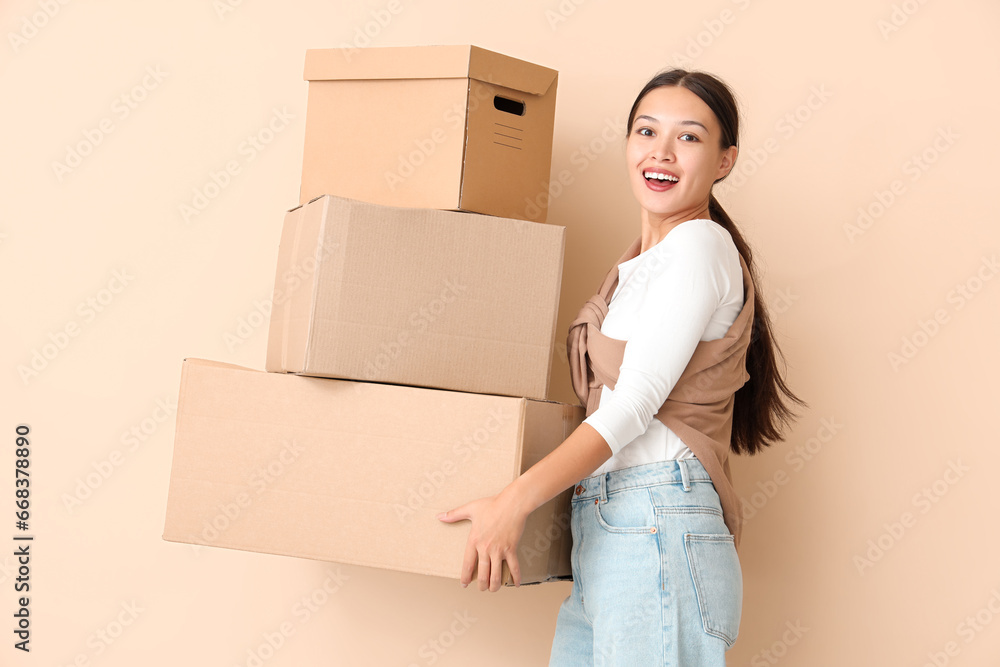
(699, 409)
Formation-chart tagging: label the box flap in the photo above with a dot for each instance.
(195, 361)
(427, 62)
(508, 72)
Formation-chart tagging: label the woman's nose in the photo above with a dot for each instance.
(663, 149)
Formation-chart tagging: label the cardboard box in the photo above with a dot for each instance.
(355, 472)
(420, 297)
(446, 127)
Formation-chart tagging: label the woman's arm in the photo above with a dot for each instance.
(683, 282)
(498, 521)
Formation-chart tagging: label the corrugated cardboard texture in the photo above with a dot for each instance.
(354, 472)
(399, 126)
(419, 297)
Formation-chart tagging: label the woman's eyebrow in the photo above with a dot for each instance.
(683, 122)
(693, 122)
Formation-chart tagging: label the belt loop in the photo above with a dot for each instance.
(604, 488)
(685, 475)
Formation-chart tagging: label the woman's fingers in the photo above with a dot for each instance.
(469, 561)
(496, 571)
(488, 545)
(491, 569)
(460, 513)
(514, 566)
(485, 566)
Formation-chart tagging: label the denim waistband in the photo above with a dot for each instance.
(673, 471)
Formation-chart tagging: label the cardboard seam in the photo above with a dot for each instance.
(173, 447)
(314, 286)
(555, 311)
(506, 578)
(465, 140)
(288, 305)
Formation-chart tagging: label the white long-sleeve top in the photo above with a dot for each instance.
(685, 289)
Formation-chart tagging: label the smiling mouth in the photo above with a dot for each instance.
(659, 177)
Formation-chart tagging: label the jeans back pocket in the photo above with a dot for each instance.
(718, 581)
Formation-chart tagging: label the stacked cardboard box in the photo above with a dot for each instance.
(446, 127)
(411, 331)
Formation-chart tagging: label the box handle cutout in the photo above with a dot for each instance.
(508, 105)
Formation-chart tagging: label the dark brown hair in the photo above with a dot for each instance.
(760, 411)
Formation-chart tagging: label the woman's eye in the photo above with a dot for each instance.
(689, 137)
(645, 131)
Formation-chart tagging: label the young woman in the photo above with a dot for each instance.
(655, 518)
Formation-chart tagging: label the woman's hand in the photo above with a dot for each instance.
(498, 521)
(497, 526)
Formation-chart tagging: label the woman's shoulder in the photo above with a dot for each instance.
(699, 240)
(705, 249)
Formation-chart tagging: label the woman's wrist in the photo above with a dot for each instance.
(577, 457)
(517, 499)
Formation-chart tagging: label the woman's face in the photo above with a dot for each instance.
(673, 154)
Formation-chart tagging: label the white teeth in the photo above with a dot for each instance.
(660, 177)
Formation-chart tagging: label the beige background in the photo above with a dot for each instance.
(836, 107)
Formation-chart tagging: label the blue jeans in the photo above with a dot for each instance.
(656, 577)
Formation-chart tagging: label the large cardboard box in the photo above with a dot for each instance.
(355, 472)
(420, 297)
(446, 127)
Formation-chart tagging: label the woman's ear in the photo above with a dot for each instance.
(727, 161)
